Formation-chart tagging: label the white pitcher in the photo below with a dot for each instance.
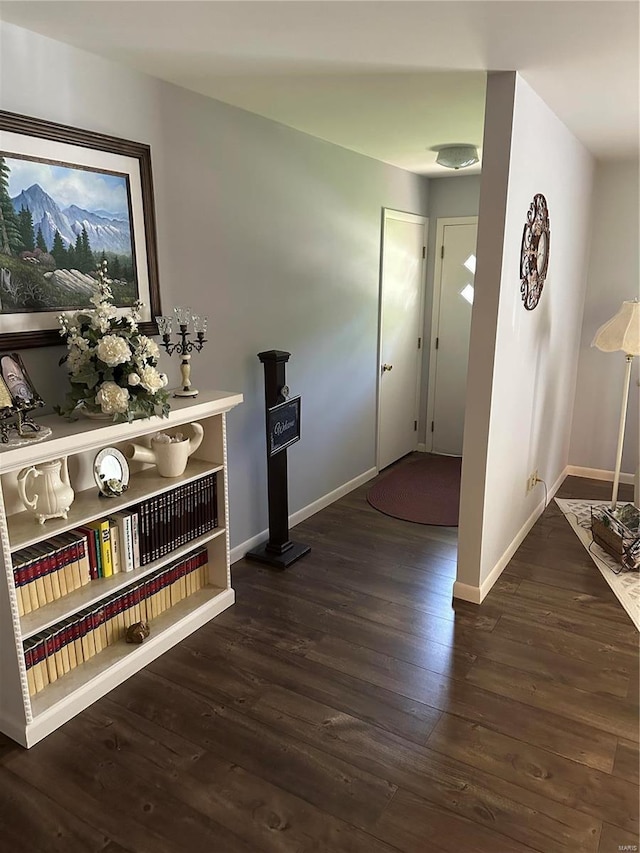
(52, 492)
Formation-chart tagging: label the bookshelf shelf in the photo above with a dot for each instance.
(33, 623)
(24, 530)
(84, 685)
(26, 715)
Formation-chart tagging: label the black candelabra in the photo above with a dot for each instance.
(184, 318)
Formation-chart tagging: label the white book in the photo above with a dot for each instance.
(123, 524)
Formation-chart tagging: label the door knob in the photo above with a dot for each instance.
(386, 367)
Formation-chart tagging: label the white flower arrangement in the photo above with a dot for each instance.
(113, 368)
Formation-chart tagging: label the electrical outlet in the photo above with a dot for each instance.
(532, 479)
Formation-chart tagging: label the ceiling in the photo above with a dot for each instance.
(387, 79)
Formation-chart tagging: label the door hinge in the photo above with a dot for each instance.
(419, 342)
(442, 251)
(432, 426)
(415, 426)
(437, 342)
(424, 252)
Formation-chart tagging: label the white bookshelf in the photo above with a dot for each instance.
(27, 719)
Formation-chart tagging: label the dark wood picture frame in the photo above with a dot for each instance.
(47, 130)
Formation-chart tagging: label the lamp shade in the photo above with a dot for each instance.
(457, 156)
(621, 332)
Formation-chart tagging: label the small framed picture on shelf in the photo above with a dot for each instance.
(16, 382)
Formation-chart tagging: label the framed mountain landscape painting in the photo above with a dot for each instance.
(69, 200)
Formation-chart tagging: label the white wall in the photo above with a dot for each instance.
(614, 275)
(523, 364)
(457, 195)
(272, 233)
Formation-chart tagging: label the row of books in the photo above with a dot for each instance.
(49, 570)
(121, 542)
(175, 518)
(57, 650)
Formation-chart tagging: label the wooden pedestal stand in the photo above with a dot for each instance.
(278, 552)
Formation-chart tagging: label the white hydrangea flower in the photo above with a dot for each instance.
(113, 350)
(78, 357)
(147, 348)
(133, 379)
(112, 399)
(151, 380)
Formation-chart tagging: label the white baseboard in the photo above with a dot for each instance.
(301, 515)
(477, 594)
(598, 474)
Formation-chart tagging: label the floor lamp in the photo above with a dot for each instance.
(621, 334)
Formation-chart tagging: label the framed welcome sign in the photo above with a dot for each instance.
(283, 425)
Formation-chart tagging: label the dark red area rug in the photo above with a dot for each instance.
(426, 490)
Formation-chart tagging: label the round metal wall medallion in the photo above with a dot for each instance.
(534, 252)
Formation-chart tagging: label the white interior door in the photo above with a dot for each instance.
(451, 325)
(401, 322)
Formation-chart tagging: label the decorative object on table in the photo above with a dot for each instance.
(624, 585)
(282, 421)
(534, 252)
(137, 632)
(184, 318)
(62, 179)
(51, 489)
(168, 452)
(113, 366)
(111, 472)
(618, 532)
(621, 334)
(18, 397)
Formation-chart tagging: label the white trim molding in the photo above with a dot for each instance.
(477, 594)
(301, 515)
(597, 474)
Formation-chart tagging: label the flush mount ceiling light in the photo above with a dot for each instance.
(456, 156)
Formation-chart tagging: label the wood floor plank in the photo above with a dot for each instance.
(604, 604)
(251, 662)
(536, 725)
(338, 788)
(627, 761)
(605, 713)
(593, 792)
(410, 619)
(616, 840)
(31, 821)
(270, 818)
(401, 645)
(555, 639)
(254, 812)
(517, 813)
(562, 669)
(136, 813)
(417, 825)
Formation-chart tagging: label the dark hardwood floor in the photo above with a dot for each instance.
(348, 705)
